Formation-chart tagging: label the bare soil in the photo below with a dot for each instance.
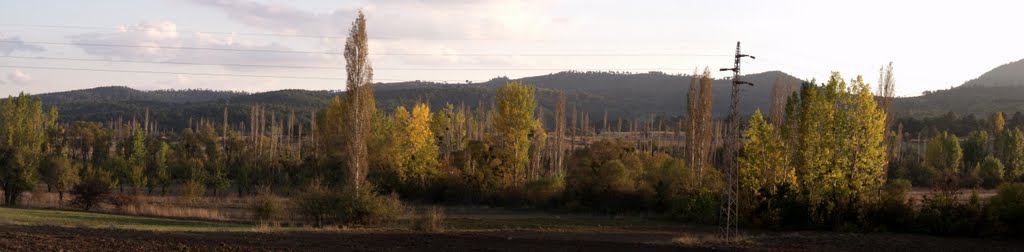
(54, 238)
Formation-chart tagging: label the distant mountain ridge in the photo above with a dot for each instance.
(621, 95)
(625, 95)
(1009, 74)
(1000, 89)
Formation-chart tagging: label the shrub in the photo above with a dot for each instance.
(1007, 207)
(942, 213)
(781, 208)
(317, 205)
(369, 208)
(264, 206)
(363, 206)
(192, 189)
(90, 192)
(893, 211)
(545, 191)
(606, 187)
(699, 207)
(430, 219)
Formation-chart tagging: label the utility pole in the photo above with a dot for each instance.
(729, 213)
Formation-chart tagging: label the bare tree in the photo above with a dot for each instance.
(559, 132)
(781, 90)
(886, 94)
(699, 124)
(360, 101)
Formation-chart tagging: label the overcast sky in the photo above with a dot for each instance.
(934, 44)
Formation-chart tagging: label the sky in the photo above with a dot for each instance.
(263, 45)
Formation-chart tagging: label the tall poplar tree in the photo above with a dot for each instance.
(513, 125)
(361, 105)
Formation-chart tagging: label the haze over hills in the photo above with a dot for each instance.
(625, 95)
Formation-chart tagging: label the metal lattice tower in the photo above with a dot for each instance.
(729, 213)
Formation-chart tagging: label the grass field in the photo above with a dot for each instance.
(22, 216)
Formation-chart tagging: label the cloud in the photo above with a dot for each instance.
(404, 26)
(14, 44)
(157, 41)
(19, 77)
(436, 19)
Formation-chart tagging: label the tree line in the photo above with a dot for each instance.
(824, 156)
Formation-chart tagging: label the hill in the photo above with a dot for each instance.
(1000, 89)
(1009, 74)
(625, 95)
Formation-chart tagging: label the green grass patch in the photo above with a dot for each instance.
(102, 220)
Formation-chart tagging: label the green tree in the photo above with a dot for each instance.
(991, 172)
(61, 174)
(1012, 147)
(944, 153)
(137, 161)
(159, 175)
(837, 131)
(765, 162)
(975, 148)
(513, 123)
(22, 135)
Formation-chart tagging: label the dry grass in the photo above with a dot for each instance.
(430, 219)
(172, 211)
(706, 239)
(218, 208)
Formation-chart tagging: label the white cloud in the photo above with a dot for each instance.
(401, 26)
(437, 19)
(19, 77)
(158, 41)
(14, 44)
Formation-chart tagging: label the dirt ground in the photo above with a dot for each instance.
(54, 238)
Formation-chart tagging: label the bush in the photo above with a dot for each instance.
(90, 192)
(544, 192)
(362, 206)
(192, 189)
(894, 211)
(369, 208)
(430, 219)
(1007, 207)
(264, 206)
(606, 187)
(699, 207)
(781, 208)
(942, 213)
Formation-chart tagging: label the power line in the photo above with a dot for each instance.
(183, 31)
(216, 74)
(168, 62)
(380, 54)
(340, 36)
(171, 47)
(182, 73)
(338, 68)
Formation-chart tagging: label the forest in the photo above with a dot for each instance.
(824, 156)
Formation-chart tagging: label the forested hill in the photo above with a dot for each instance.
(1000, 89)
(621, 94)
